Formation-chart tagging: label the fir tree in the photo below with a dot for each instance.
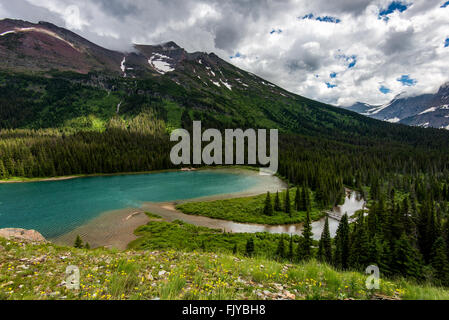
(287, 204)
(405, 260)
(280, 251)
(87, 246)
(297, 200)
(305, 247)
(250, 247)
(341, 255)
(268, 209)
(325, 245)
(234, 250)
(78, 242)
(277, 203)
(290, 249)
(439, 261)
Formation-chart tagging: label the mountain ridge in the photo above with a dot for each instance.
(424, 110)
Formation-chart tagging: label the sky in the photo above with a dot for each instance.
(335, 51)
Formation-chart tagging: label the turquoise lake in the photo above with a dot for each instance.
(56, 207)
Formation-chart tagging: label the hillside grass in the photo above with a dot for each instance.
(250, 210)
(178, 235)
(37, 271)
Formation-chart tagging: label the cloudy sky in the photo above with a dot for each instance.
(336, 51)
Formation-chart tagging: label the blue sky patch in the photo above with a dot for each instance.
(236, 55)
(407, 81)
(330, 19)
(444, 5)
(278, 31)
(333, 75)
(351, 59)
(394, 6)
(330, 85)
(446, 43)
(384, 90)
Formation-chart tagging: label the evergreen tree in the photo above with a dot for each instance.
(405, 260)
(305, 247)
(280, 251)
(287, 204)
(234, 250)
(359, 251)
(439, 261)
(87, 245)
(268, 208)
(277, 203)
(341, 255)
(3, 173)
(250, 247)
(78, 242)
(290, 249)
(325, 245)
(298, 200)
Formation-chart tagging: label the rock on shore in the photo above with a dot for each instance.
(22, 234)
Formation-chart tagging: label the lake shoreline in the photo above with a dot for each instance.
(115, 229)
(80, 176)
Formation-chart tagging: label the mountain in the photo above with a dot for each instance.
(53, 78)
(427, 110)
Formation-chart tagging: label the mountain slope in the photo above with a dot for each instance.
(139, 275)
(427, 110)
(96, 84)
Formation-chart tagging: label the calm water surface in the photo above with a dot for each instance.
(56, 207)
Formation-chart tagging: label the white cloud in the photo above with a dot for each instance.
(300, 58)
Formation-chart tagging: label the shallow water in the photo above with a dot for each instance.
(353, 203)
(55, 208)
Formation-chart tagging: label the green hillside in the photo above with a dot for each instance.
(37, 271)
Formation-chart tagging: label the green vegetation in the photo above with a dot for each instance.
(37, 271)
(252, 209)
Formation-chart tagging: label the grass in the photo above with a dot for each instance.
(37, 271)
(178, 235)
(249, 210)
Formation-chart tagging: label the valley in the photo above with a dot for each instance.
(72, 109)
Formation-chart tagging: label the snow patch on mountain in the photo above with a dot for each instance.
(161, 63)
(394, 120)
(432, 109)
(226, 84)
(123, 67)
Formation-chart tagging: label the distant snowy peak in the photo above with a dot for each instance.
(426, 110)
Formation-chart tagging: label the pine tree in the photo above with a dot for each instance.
(439, 261)
(341, 255)
(268, 209)
(359, 250)
(280, 252)
(250, 247)
(325, 245)
(277, 203)
(234, 250)
(87, 246)
(290, 249)
(287, 204)
(78, 242)
(405, 259)
(305, 247)
(3, 173)
(297, 200)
